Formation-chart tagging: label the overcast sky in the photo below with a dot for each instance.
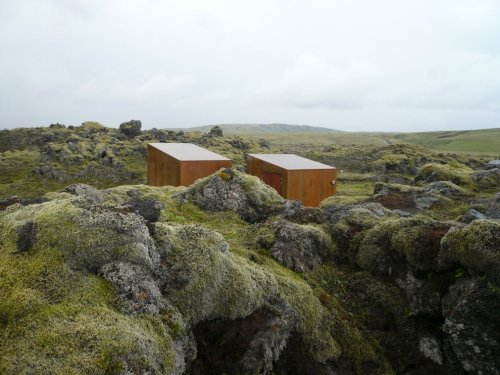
(385, 65)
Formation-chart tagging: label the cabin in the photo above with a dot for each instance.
(181, 164)
(294, 177)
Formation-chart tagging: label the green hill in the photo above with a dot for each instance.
(483, 140)
(249, 129)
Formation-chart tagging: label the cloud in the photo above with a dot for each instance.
(386, 65)
(313, 82)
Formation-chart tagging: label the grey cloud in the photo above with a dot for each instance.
(358, 65)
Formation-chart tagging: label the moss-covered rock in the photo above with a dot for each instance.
(455, 172)
(397, 243)
(475, 246)
(471, 326)
(230, 190)
(296, 246)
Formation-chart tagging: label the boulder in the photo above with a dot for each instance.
(231, 190)
(493, 210)
(487, 179)
(472, 215)
(298, 247)
(216, 131)
(475, 246)
(472, 327)
(456, 173)
(131, 128)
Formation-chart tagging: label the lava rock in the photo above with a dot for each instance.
(472, 215)
(216, 131)
(493, 211)
(230, 190)
(149, 209)
(26, 236)
(131, 128)
(472, 327)
(299, 247)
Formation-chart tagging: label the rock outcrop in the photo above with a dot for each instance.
(230, 190)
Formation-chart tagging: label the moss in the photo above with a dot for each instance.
(61, 322)
(475, 246)
(315, 323)
(455, 172)
(214, 282)
(414, 240)
(92, 125)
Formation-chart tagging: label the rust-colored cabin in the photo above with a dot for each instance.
(181, 164)
(294, 177)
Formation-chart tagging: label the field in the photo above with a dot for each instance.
(485, 141)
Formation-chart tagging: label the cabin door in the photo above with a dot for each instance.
(274, 180)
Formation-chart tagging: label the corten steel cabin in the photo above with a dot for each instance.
(294, 177)
(181, 164)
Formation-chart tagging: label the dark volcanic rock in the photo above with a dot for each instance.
(472, 326)
(26, 236)
(493, 211)
(472, 215)
(250, 344)
(216, 131)
(131, 128)
(149, 209)
(4, 203)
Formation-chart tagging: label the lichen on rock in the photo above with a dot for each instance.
(231, 190)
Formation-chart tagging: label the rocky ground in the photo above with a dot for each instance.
(225, 276)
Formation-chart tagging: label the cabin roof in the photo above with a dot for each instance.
(291, 161)
(187, 152)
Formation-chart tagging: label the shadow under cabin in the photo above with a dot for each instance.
(294, 177)
(181, 164)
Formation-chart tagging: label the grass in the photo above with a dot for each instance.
(477, 142)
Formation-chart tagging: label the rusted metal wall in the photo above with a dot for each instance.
(308, 186)
(162, 168)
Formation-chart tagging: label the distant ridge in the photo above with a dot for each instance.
(242, 129)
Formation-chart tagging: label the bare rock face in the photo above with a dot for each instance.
(472, 327)
(230, 190)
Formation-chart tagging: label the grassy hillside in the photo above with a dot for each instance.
(483, 140)
(259, 129)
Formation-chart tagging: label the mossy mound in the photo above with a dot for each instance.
(455, 172)
(296, 246)
(231, 190)
(88, 285)
(397, 243)
(475, 246)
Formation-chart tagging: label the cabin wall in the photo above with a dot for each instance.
(308, 186)
(190, 171)
(162, 169)
(257, 168)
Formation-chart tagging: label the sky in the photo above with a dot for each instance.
(358, 65)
